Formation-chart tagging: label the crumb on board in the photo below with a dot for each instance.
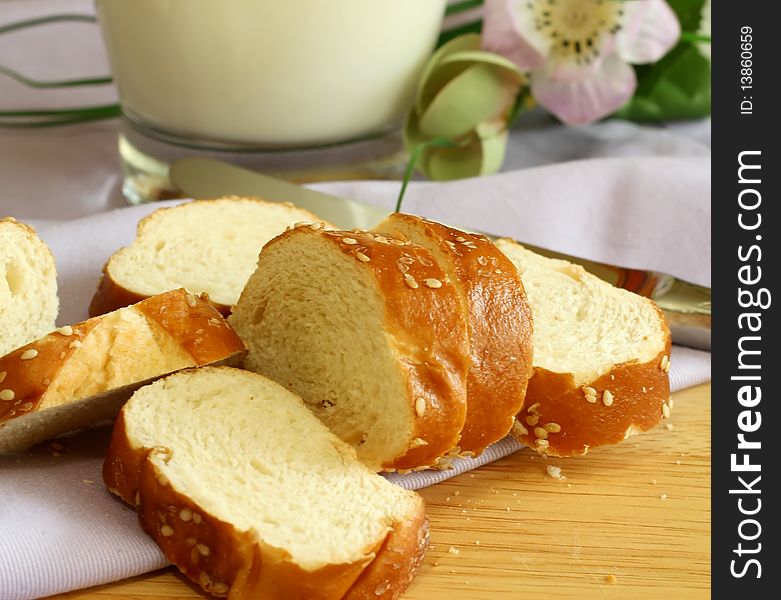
(611, 579)
(454, 551)
(554, 472)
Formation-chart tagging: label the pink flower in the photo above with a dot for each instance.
(579, 51)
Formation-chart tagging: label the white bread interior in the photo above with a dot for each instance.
(28, 286)
(248, 453)
(582, 324)
(203, 246)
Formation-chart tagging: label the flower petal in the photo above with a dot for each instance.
(581, 100)
(508, 30)
(652, 29)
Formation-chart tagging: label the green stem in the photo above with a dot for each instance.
(414, 157)
(48, 118)
(690, 36)
(36, 83)
(449, 34)
(48, 19)
(458, 7)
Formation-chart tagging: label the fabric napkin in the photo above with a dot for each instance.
(61, 530)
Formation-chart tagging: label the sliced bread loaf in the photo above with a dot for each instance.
(80, 375)
(369, 332)
(499, 321)
(252, 497)
(601, 357)
(28, 286)
(206, 246)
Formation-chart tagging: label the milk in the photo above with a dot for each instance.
(268, 73)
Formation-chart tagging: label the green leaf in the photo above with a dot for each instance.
(689, 13)
(677, 87)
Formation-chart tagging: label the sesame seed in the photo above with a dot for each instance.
(665, 411)
(203, 549)
(645, 391)
(191, 302)
(433, 283)
(454, 551)
(2, 376)
(7, 395)
(26, 406)
(418, 442)
(220, 588)
(541, 433)
(197, 518)
(532, 420)
(29, 354)
(482, 261)
(397, 242)
(460, 239)
(166, 531)
(186, 515)
(407, 260)
(302, 224)
(66, 330)
(190, 541)
(204, 580)
(162, 480)
(519, 429)
(316, 226)
(498, 271)
(669, 401)
(552, 427)
(382, 588)
(607, 398)
(424, 261)
(590, 394)
(542, 445)
(74, 344)
(420, 407)
(349, 241)
(361, 256)
(663, 365)
(410, 281)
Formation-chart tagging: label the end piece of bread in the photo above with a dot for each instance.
(80, 375)
(252, 497)
(601, 357)
(499, 321)
(204, 246)
(28, 286)
(369, 332)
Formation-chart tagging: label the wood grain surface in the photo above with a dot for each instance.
(630, 521)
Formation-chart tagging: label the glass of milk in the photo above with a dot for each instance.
(305, 89)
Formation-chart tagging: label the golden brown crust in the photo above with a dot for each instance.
(500, 327)
(226, 561)
(27, 379)
(429, 329)
(396, 563)
(111, 296)
(561, 419)
(28, 372)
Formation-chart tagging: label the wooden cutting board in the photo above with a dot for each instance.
(630, 521)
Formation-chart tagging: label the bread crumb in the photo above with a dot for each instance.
(87, 481)
(653, 482)
(457, 492)
(668, 426)
(663, 496)
(611, 579)
(454, 551)
(555, 472)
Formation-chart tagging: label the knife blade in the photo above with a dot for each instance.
(687, 306)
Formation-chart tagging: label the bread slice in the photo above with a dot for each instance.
(28, 286)
(252, 497)
(206, 246)
(601, 357)
(499, 320)
(80, 375)
(369, 332)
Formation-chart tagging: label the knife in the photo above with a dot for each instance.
(687, 306)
